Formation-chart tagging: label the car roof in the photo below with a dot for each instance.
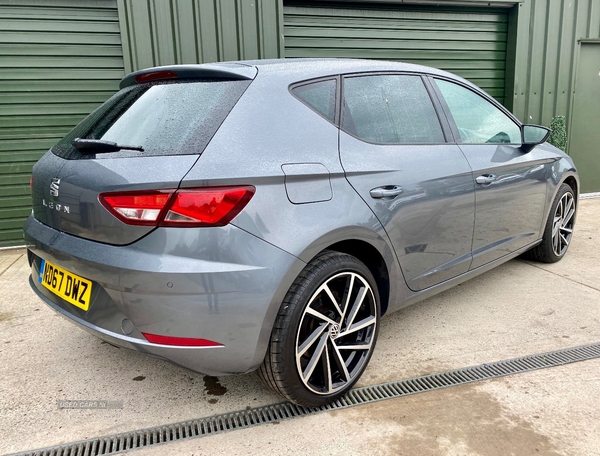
(306, 68)
(294, 69)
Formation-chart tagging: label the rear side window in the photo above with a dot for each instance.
(390, 109)
(319, 96)
(167, 118)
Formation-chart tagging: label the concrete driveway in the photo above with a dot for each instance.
(517, 309)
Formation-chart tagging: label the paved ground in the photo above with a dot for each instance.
(519, 308)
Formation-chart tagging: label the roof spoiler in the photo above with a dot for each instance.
(206, 70)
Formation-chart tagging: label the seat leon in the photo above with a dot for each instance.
(264, 215)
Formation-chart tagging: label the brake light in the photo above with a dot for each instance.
(31, 185)
(155, 76)
(140, 208)
(181, 341)
(213, 206)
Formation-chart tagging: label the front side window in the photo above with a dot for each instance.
(390, 109)
(478, 121)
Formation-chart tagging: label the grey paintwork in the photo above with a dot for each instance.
(83, 180)
(430, 225)
(307, 182)
(216, 286)
(510, 208)
(312, 191)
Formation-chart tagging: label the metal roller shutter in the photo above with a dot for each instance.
(470, 42)
(59, 60)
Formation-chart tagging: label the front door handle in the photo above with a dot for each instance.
(388, 191)
(485, 179)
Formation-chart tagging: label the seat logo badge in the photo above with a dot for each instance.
(54, 185)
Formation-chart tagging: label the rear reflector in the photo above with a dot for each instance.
(180, 341)
(155, 76)
(213, 206)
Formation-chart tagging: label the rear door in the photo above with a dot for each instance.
(510, 185)
(393, 149)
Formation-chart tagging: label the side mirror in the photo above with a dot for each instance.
(532, 135)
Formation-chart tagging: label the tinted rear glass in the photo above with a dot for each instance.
(390, 109)
(320, 96)
(168, 118)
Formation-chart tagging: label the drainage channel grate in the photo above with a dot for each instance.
(268, 414)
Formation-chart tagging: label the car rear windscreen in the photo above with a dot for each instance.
(166, 118)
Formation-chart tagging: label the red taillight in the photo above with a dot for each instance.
(207, 207)
(213, 206)
(180, 341)
(31, 185)
(136, 208)
(155, 76)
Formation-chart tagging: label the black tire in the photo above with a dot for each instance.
(298, 321)
(562, 218)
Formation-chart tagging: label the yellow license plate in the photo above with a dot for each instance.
(72, 288)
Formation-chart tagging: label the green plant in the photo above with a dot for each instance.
(558, 137)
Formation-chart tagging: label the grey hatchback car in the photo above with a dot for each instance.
(265, 214)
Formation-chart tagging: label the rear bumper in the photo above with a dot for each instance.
(220, 284)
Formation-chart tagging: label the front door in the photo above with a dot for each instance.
(395, 155)
(510, 185)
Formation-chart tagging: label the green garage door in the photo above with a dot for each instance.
(59, 60)
(470, 42)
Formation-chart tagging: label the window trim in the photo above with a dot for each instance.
(336, 78)
(444, 124)
(480, 93)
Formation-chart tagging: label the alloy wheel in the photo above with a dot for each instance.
(336, 333)
(562, 225)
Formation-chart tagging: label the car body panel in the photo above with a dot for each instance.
(430, 224)
(76, 209)
(213, 283)
(307, 182)
(509, 209)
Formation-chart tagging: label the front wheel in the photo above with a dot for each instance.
(559, 228)
(325, 332)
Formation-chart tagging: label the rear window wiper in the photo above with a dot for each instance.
(99, 146)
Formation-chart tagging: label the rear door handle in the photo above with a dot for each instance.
(485, 179)
(388, 191)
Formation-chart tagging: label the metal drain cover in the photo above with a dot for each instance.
(261, 415)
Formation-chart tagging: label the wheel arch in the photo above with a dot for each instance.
(371, 248)
(373, 260)
(368, 246)
(563, 172)
(572, 182)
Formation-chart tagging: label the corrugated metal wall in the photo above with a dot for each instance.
(546, 54)
(162, 32)
(470, 42)
(59, 59)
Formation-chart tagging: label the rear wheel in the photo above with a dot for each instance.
(559, 228)
(325, 331)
